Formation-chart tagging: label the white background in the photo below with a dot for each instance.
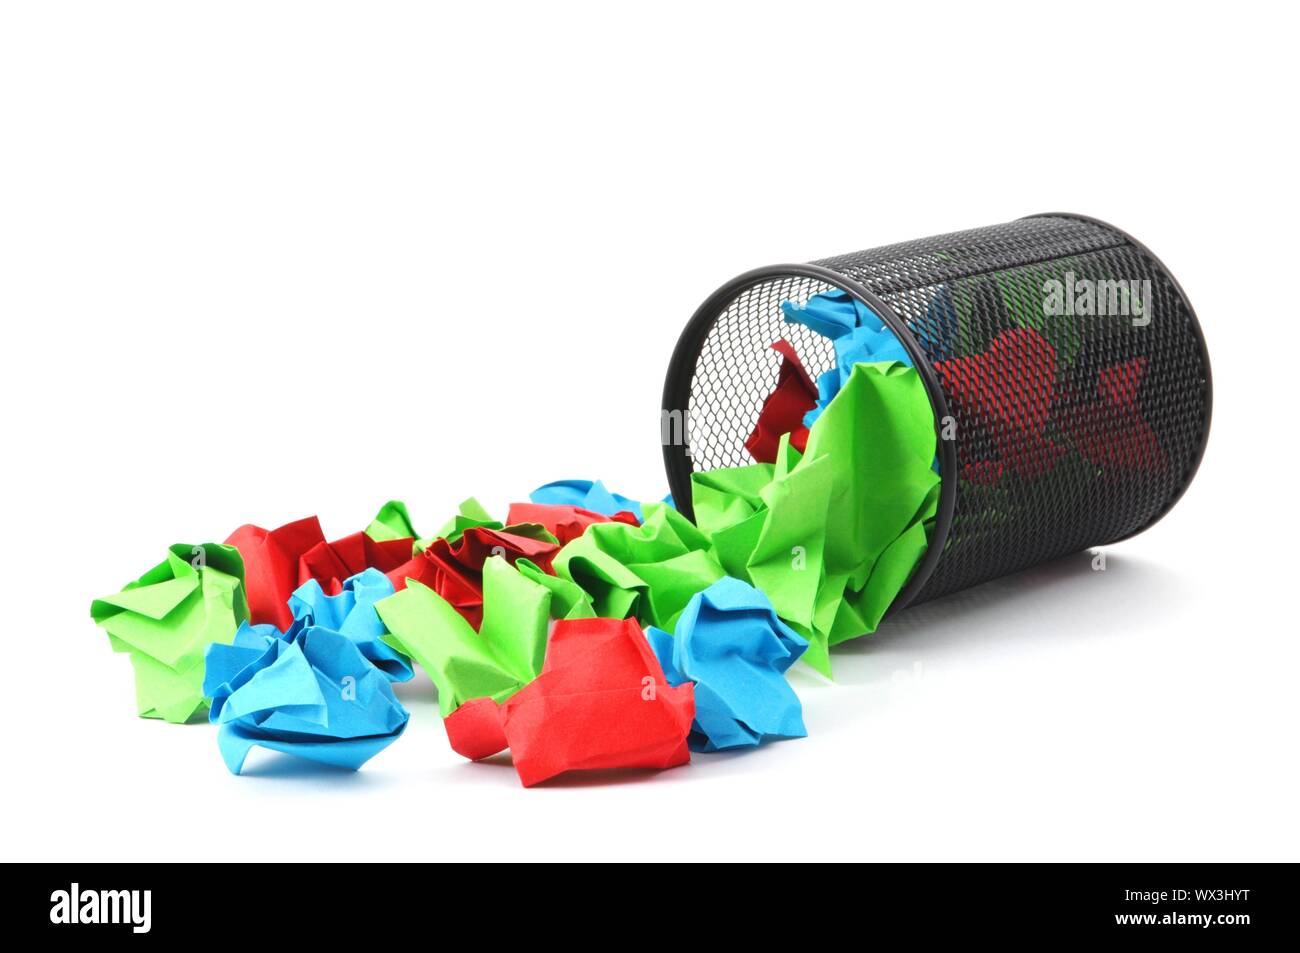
(263, 260)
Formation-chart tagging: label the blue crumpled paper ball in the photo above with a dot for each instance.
(352, 613)
(588, 495)
(730, 643)
(308, 692)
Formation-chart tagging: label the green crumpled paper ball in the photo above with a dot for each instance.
(168, 617)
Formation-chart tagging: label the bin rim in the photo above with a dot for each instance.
(681, 368)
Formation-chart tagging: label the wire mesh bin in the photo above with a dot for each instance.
(1066, 370)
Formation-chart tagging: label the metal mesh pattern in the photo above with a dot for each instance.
(1072, 429)
(734, 373)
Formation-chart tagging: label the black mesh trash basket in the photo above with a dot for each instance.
(1058, 354)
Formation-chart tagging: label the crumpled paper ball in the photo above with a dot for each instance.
(352, 613)
(731, 644)
(168, 617)
(308, 692)
(601, 701)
